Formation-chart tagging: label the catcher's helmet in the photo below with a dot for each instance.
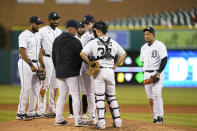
(102, 26)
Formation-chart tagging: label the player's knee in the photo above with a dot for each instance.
(156, 95)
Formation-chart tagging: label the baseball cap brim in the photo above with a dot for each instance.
(56, 17)
(152, 31)
(39, 23)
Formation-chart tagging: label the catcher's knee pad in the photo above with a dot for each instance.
(113, 105)
(100, 106)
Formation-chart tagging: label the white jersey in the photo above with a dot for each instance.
(151, 55)
(96, 48)
(48, 36)
(86, 37)
(31, 42)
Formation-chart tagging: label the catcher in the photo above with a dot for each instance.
(154, 57)
(104, 50)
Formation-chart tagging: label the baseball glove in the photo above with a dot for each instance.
(41, 74)
(93, 68)
(153, 79)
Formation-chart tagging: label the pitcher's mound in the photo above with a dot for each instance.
(48, 125)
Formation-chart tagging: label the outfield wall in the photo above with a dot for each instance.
(132, 40)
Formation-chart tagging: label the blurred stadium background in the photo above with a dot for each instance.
(175, 22)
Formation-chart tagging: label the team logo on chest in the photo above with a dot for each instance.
(154, 53)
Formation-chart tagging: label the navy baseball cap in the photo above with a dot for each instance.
(53, 15)
(36, 20)
(150, 29)
(88, 18)
(81, 25)
(72, 23)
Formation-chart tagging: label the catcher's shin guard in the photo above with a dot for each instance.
(113, 105)
(100, 106)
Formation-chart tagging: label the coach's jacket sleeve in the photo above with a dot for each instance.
(54, 52)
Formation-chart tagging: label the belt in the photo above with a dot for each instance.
(105, 67)
(47, 55)
(34, 61)
(150, 71)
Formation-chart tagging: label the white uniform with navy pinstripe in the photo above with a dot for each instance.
(86, 80)
(151, 56)
(29, 81)
(48, 35)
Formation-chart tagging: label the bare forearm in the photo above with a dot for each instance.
(41, 53)
(120, 59)
(23, 54)
(84, 57)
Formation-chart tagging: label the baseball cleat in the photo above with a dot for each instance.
(81, 124)
(100, 126)
(63, 123)
(117, 123)
(91, 121)
(159, 120)
(155, 120)
(24, 117)
(50, 115)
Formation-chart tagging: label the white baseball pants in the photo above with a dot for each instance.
(67, 85)
(30, 85)
(154, 91)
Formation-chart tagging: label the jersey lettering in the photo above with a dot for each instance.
(154, 53)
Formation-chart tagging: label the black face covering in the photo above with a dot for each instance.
(54, 24)
(81, 33)
(34, 30)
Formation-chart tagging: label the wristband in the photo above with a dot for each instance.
(30, 64)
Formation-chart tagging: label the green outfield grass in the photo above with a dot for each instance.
(178, 119)
(125, 95)
(134, 95)
(171, 96)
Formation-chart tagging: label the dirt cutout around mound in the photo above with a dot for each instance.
(48, 125)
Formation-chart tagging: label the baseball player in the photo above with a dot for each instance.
(87, 81)
(67, 62)
(48, 35)
(29, 48)
(80, 32)
(103, 49)
(153, 54)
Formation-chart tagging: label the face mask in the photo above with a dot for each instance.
(34, 29)
(81, 33)
(53, 24)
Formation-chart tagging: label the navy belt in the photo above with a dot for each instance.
(47, 55)
(34, 61)
(150, 71)
(105, 67)
(31, 60)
